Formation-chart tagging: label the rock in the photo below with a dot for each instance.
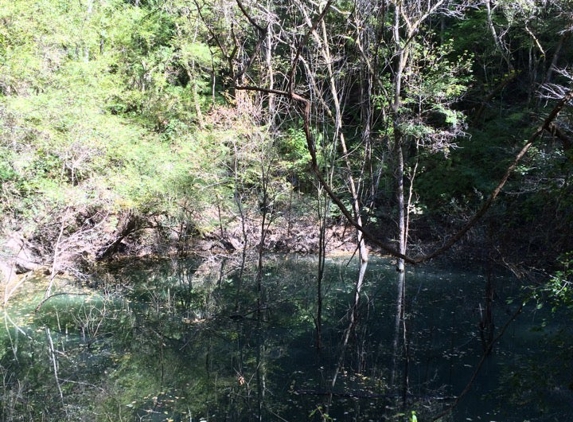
(16, 258)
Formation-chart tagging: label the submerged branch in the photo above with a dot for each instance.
(369, 395)
(57, 294)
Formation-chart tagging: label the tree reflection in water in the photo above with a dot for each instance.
(176, 340)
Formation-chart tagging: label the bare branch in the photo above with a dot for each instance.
(303, 43)
(262, 31)
(306, 105)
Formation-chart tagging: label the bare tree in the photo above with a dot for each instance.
(408, 87)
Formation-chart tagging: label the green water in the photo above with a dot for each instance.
(192, 340)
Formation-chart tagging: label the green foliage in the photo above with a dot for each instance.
(294, 157)
(541, 384)
(99, 109)
(559, 287)
(434, 82)
(292, 146)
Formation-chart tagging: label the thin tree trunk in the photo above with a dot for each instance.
(352, 183)
(239, 202)
(323, 206)
(556, 56)
(487, 323)
(400, 326)
(270, 70)
(259, 371)
(264, 205)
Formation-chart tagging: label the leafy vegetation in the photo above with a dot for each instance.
(131, 107)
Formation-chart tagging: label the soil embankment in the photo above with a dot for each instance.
(77, 251)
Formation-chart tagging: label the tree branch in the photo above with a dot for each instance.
(316, 170)
(547, 124)
(301, 45)
(250, 19)
(562, 136)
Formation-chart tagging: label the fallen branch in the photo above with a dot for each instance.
(546, 126)
(57, 294)
(369, 395)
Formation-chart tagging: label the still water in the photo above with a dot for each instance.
(203, 340)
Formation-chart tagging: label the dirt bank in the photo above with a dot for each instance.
(76, 250)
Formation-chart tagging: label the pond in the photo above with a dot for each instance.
(202, 340)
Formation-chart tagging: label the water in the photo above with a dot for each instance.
(191, 340)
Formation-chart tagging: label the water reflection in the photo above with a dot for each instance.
(190, 340)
